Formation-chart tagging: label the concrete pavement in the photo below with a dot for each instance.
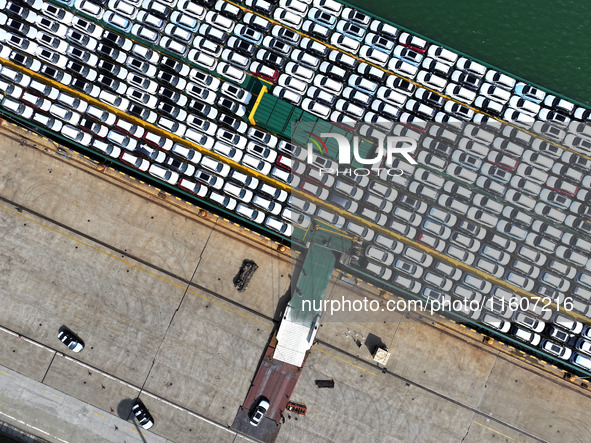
(148, 285)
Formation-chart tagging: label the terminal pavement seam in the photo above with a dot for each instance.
(48, 367)
(252, 311)
(468, 428)
(131, 186)
(432, 391)
(22, 208)
(446, 259)
(185, 292)
(145, 263)
(116, 379)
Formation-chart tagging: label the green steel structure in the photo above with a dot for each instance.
(292, 123)
(311, 284)
(325, 243)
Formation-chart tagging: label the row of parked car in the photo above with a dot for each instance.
(437, 68)
(205, 86)
(495, 307)
(177, 103)
(235, 191)
(267, 151)
(505, 225)
(509, 184)
(173, 163)
(413, 271)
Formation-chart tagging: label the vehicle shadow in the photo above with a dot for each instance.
(124, 408)
(124, 412)
(281, 305)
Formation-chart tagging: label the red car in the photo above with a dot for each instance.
(431, 242)
(562, 186)
(413, 42)
(264, 72)
(503, 161)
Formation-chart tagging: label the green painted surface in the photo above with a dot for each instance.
(312, 283)
(291, 123)
(545, 42)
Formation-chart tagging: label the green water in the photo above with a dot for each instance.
(545, 42)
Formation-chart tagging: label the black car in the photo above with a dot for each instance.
(108, 67)
(410, 202)
(113, 38)
(142, 414)
(403, 85)
(168, 78)
(436, 67)
(106, 82)
(271, 59)
(228, 105)
(243, 47)
(51, 72)
(17, 10)
(199, 108)
(17, 27)
(169, 94)
(228, 121)
(158, 9)
(169, 110)
(469, 81)
(206, 3)
(171, 64)
(430, 98)
(78, 68)
(177, 165)
(230, 11)
(106, 50)
(139, 111)
(23, 60)
(82, 86)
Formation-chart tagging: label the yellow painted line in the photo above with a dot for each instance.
(278, 184)
(387, 71)
(495, 431)
(342, 234)
(5, 373)
(344, 361)
(444, 258)
(100, 415)
(148, 126)
(256, 105)
(128, 263)
(134, 430)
